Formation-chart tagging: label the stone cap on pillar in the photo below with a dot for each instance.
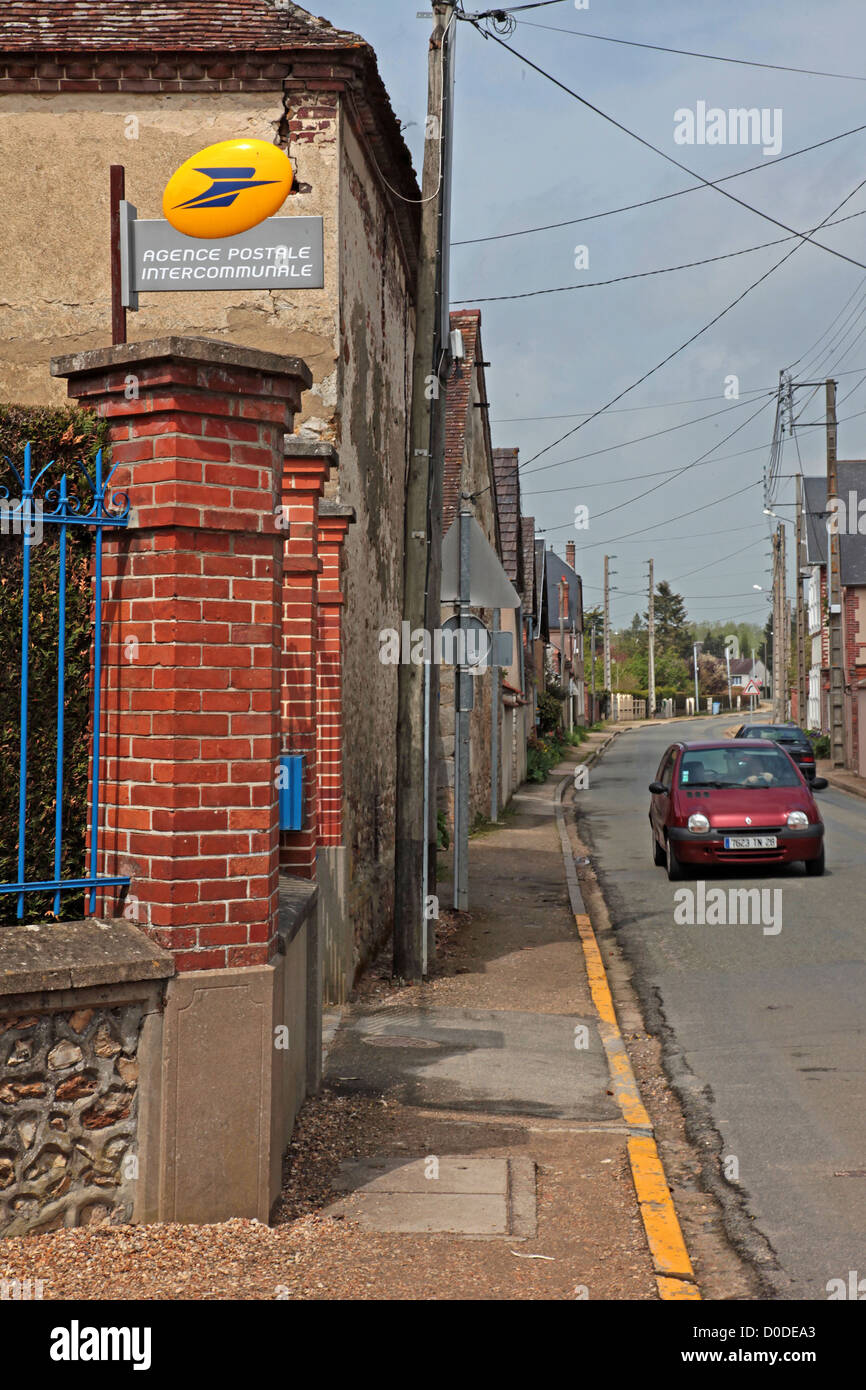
(339, 511)
(206, 351)
(297, 446)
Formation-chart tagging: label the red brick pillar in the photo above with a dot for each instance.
(334, 523)
(192, 636)
(306, 466)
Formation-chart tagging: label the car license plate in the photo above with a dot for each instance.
(750, 842)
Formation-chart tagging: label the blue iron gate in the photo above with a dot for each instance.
(83, 502)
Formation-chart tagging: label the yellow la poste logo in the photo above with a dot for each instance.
(227, 188)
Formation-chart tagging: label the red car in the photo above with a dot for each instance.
(740, 801)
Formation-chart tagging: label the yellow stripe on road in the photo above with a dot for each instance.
(676, 1290)
(662, 1228)
(601, 995)
(671, 1263)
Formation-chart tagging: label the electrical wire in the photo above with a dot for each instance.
(694, 337)
(697, 462)
(660, 198)
(693, 511)
(637, 477)
(631, 409)
(692, 173)
(688, 53)
(645, 274)
(642, 438)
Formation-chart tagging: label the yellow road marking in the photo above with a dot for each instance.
(670, 1258)
(664, 1236)
(676, 1289)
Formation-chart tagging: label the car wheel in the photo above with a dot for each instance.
(659, 856)
(675, 868)
(815, 867)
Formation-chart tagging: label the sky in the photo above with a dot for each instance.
(527, 155)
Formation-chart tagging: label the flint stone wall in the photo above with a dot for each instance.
(68, 1113)
(80, 1007)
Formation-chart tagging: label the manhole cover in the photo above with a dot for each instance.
(399, 1040)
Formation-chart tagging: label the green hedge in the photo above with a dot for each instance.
(65, 435)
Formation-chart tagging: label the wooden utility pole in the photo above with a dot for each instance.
(834, 587)
(784, 627)
(651, 650)
(802, 664)
(778, 656)
(422, 535)
(564, 665)
(606, 630)
(117, 174)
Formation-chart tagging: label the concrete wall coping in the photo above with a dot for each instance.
(330, 508)
(298, 900)
(207, 351)
(72, 955)
(297, 447)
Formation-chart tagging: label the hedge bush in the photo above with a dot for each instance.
(68, 436)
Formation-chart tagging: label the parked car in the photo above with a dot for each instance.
(794, 741)
(741, 801)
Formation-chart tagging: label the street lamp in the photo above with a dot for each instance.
(787, 520)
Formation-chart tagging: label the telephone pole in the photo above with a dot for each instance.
(417, 715)
(564, 665)
(606, 629)
(802, 678)
(785, 627)
(834, 585)
(778, 654)
(651, 651)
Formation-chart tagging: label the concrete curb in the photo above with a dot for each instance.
(675, 1277)
(840, 784)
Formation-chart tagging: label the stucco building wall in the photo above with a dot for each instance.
(356, 335)
(370, 424)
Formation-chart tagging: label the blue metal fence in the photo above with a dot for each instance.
(83, 501)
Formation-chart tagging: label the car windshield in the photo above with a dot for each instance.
(777, 735)
(737, 767)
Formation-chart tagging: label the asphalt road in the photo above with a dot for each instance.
(771, 1027)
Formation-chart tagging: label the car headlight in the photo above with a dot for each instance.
(698, 824)
(798, 820)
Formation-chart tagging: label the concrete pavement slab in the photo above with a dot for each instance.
(452, 1195)
(501, 1062)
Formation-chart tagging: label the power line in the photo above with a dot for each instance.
(640, 439)
(644, 274)
(640, 496)
(694, 337)
(638, 477)
(700, 568)
(688, 53)
(632, 409)
(667, 157)
(693, 511)
(661, 198)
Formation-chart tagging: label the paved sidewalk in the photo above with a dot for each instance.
(498, 1163)
(470, 1140)
(841, 778)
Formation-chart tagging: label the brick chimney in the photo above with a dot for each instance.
(569, 553)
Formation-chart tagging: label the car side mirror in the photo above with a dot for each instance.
(658, 788)
(819, 783)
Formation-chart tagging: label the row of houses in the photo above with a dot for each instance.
(852, 557)
(222, 947)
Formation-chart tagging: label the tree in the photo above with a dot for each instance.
(712, 675)
(593, 619)
(713, 644)
(671, 622)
